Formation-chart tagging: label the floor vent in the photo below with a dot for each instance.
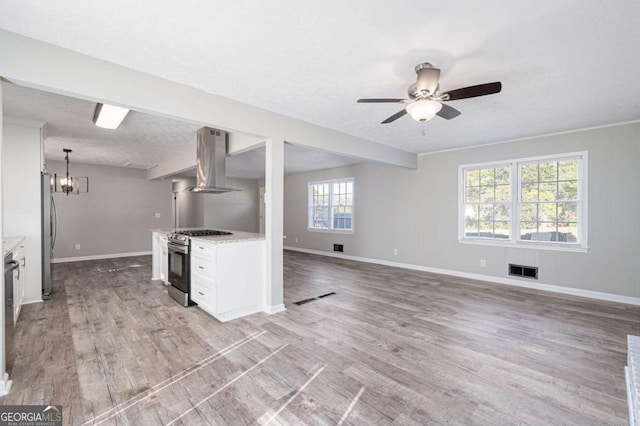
(523, 271)
(302, 302)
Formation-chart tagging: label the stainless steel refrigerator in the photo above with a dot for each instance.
(49, 227)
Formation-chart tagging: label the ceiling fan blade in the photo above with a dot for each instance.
(473, 91)
(381, 100)
(448, 112)
(395, 116)
(428, 80)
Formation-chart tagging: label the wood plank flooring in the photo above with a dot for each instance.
(392, 346)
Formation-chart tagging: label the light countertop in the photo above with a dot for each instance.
(217, 239)
(9, 244)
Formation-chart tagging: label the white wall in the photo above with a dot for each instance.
(237, 210)
(22, 199)
(115, 216)
(416, 212)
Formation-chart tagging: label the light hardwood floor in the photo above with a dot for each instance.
(392, 346)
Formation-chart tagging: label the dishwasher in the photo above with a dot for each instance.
(9, 266)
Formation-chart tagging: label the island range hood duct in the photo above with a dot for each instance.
(210, 167)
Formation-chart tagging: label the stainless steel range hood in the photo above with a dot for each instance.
(210, 166)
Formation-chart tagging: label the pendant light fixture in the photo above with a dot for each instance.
(70, 185)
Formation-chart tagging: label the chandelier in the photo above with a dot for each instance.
(70, 185)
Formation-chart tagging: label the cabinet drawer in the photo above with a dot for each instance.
(203, 280)
(203, 249)
(203, 294)
(202, 265)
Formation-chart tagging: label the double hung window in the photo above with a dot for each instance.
(331, 205)
(533, 201)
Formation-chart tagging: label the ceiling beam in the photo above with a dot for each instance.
(44, 66)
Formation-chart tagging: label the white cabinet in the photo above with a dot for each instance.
(164, 260)
(18, 280)
(227, 279)
(160, 260)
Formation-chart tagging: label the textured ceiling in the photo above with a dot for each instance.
(564, 65)
(142, 140)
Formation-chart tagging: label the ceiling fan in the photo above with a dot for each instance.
(425, 101)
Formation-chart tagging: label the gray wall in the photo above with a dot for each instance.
(385, 201)
(115, 216)
(416, 211)
(237, 210)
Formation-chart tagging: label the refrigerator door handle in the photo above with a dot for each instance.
(54, 225)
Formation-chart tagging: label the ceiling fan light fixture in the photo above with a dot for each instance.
(423, 109)
(109, 116)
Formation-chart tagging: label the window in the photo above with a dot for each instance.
(539, 202)
(331, 205)
(487, 202)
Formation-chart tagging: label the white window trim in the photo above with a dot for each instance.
(514, 225)
(353, 211)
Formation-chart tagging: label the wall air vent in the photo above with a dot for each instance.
(523, 271)
(338, 247)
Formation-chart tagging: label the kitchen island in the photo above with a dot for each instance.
(226, 273)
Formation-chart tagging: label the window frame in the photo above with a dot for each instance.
(330, 182)
(515, 183)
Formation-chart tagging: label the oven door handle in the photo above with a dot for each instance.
(175, 248)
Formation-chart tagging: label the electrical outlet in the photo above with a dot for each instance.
(395, 252)
(296, 239)
(158, 215)
(77, 246)
(483, 263)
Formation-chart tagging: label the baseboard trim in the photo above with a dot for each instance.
(235, 314)
(31, 302)
(274, 309)
(609, 297)
(100, 257)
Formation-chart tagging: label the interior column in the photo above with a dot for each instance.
(274, 224)
(4, 378)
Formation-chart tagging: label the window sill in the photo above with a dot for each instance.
(529, 246)
(331, 231)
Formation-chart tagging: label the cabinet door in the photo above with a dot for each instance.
(164, 261)
(18, 282)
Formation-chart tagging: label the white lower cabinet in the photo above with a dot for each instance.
(160, 260)
(227, 279)
(164, 260)
(18, 281)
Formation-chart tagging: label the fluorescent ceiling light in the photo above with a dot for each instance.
(109, 116)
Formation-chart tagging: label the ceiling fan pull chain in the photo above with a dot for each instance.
(423, 132)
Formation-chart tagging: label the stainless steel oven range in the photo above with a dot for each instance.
(179, 249)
